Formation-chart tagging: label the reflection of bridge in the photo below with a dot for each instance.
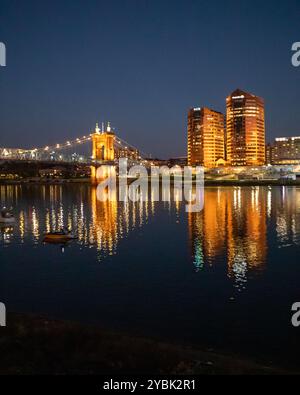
(107, 148)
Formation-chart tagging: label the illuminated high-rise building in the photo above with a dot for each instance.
(206, 138)
(245, 129)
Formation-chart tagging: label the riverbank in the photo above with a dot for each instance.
(36, 345)
(207, 182)
(46, 181)
(254, 183)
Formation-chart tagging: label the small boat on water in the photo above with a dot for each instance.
(6, 216)
(63, 236)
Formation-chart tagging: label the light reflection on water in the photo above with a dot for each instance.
(226, 276)
(98, 225)
(234, 222)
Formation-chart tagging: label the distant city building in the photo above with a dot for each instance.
(269, 154)
(245, 129)
(54, 172)
(206, 138)
(149, 161)
(285, 151)
(180, 161)
(128, 153)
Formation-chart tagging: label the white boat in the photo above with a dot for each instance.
(6, 216)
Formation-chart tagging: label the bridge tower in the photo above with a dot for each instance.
(103, 150)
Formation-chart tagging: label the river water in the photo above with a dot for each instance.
(223, 279)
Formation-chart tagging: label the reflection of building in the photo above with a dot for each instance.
(245, 129)
(104, 230)
(98, 224)
(286, 205)
(286, 150)
(205, 138)
(232, 225)
(247, 232)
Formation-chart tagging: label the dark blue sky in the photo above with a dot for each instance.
(142, 64)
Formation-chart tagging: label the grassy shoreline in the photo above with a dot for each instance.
(33, 344)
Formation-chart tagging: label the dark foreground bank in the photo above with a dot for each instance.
(35, 345)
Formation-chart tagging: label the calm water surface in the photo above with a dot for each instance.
(225, 278)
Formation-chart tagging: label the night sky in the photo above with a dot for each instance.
(142, 64)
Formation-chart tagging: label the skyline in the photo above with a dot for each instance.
(149, 191)
(142, 66)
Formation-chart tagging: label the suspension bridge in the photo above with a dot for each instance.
(106, 148)
(99, 140)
